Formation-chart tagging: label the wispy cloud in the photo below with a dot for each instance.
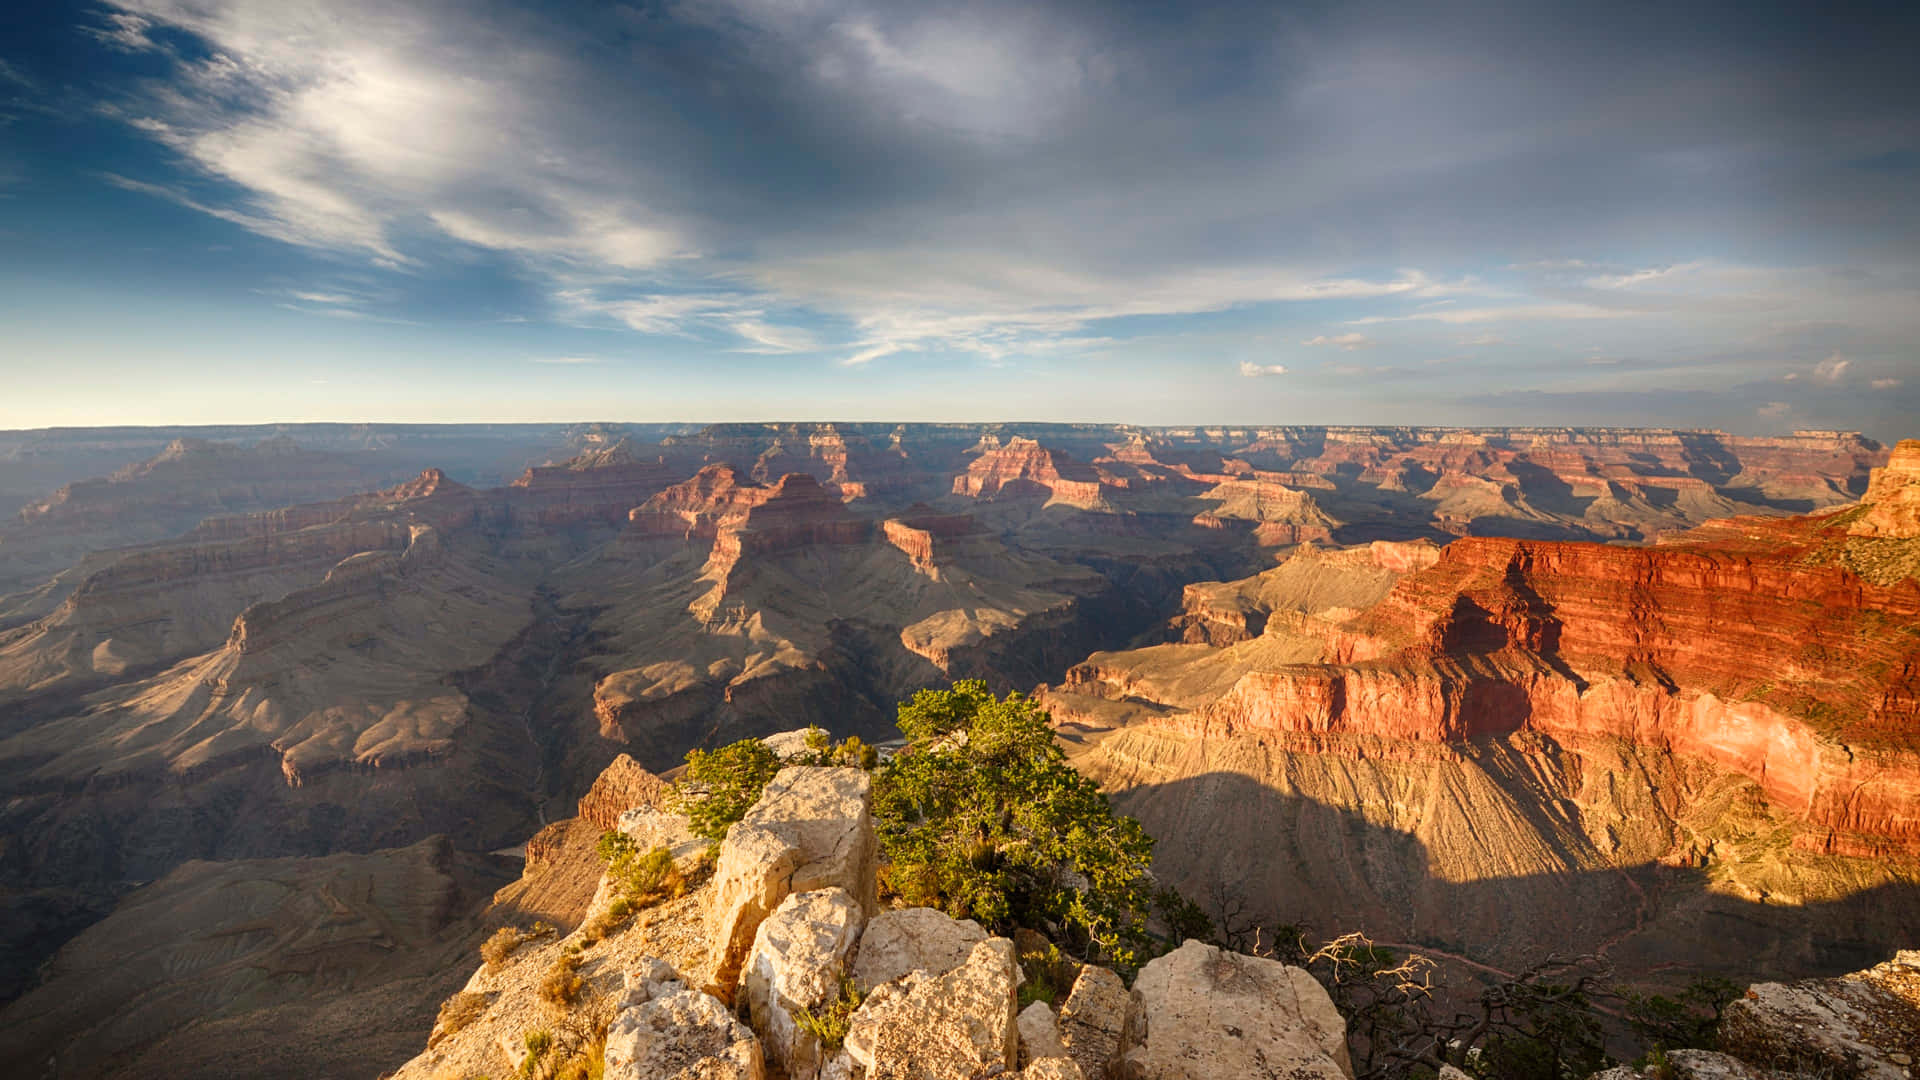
(1348, 342)
(1254, 371)
(1832, 370)
(1885, 383)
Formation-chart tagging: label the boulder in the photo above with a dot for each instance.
(1039, 1033)
(937, 1027)
(1680, 1065)
(1094, 1022)
(788, 745)
(799, 955)
(1204, 1013)
(810, 830)
(1864, 1025)
(913, 939)
(685, 1035)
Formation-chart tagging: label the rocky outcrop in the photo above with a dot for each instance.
(1893, 497)
(1865, 1025)
(684, 1035)
(600, 487)
(913, 939)
(1096, 1022)
(811, 830)
(931, 1027)
(799, 957)
(1204, 1013)
(1023, 466)
(621, 787)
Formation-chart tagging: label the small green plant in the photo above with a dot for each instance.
(642, 878)
(720, 786)
(1048, 975)
(538, 1042)
(830, 1024)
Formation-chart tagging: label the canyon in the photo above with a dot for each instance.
(1493, 691)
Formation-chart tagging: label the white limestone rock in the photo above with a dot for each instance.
(811, 829)
(685, 1035)
(913, 939)
(799, 956)
(1205, 1013)
(936, 1027)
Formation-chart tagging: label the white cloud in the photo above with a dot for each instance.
(1515, 313)
(1832, 369)
(124, 31)
(1253, 371)
(1483, 341)
(1885, 384)
(1348, 342)
(1631, 278)
(773, 339)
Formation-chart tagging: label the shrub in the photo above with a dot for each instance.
(495, 950)
(561, 986)
(456, 1013)
(642, 878)
(830, 1024)
(1048, 975)
(538, 1042)
(982, 817)
(720, 786)
(1687, 1021)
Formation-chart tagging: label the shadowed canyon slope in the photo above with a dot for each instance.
(325, 665)
(1607, 744)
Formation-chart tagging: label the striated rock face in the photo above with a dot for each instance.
(366, 943)
(601, 486)
(682, 1036)
(1893, 496)
(926, 1027)
(1206, 1013)
(810, 830)
(1864, 1025)
(621, 787)
(1582, 746)
(1024, 467)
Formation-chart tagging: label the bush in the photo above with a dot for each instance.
(1047, 975)
(603, 925)
(720, 786)
(495, 950)
(642, 878)
(982, 817)
(830, 1024)
(561, 986)
(1686, 1021)
(456, 1013)
(538, 1042)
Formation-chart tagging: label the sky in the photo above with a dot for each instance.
(239, 211)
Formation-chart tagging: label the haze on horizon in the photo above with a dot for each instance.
(221, 211)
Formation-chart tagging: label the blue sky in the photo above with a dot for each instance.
(226, 211)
